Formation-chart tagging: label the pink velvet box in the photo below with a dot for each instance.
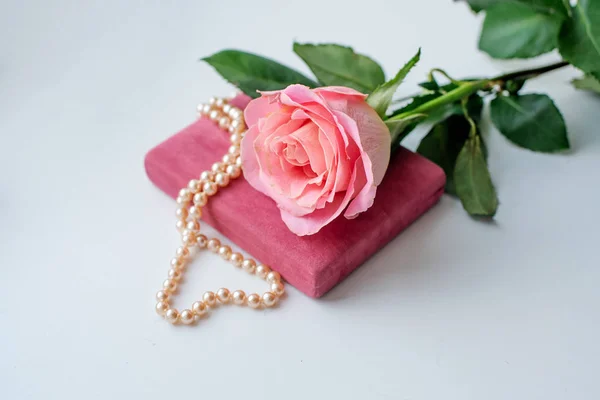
(313, 264)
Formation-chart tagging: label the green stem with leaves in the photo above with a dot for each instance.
(467, 88)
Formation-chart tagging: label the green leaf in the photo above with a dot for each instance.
(405, 132)
(560, 7)
(415, 102)
(531, 121)
(250, 72)
(514, 86)
(443, 143)
(567, 6)
(430, 85)
(480, 5)
(433, 86)
(335, 65)
(588, 82)
(399, 126)
(516, 30)
(381, 98)
(579, 40)
(474, 108)
(433, 90)
(472, 180)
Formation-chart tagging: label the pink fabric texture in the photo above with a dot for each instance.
(317, 152)
(313, 264)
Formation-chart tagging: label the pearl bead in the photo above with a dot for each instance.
(277, 288)
(189, 239)
(206, 109)
(172, 315)
(214, 115)
(192, 226)
(238, 161)
(185, 193)
(181, 213)
(249, 265)
(207, 176)
(186, 231)
(209, 298)
(262, 271)
(225, 252)
(174, 274)
(212, 100)
(217, 167)
(224, 122)
(254, 300)
(181, 200)
(269, 299)
(233, 171)
(234, 150)
(239, 297)
(180, 225)
(162, 307)
(199, 308)
(235, 112)
(177, 262)
(210, 188)
(162, 295)
(273, 276)
(194, 186)
(228, 159)
(187, 316)
(195, 212)
(226, 108)
(200, 199)
(222, 179)
(236, 259)
(236, 126)
(202, 241)
(169, 285)
(235, 138)
(214, 244)
(182, 252)
(219, 102)
(223, 295)
(200, 107)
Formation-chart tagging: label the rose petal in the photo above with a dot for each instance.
(251, 152)
(308, 138)
(250, 164)
(361, 121)
(258, 108)
(366, 192)
(334, 92)
(313, 222)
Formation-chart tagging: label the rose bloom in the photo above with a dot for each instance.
(316, 152)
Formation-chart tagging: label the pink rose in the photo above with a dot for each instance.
(316, 152)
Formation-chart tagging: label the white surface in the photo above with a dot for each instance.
(451, 309)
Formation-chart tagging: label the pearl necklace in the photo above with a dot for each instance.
(190, 201)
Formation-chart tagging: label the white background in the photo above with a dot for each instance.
(451, 309)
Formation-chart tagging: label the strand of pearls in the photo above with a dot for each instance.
(190, 201)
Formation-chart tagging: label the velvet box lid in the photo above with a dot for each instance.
(313, 264)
